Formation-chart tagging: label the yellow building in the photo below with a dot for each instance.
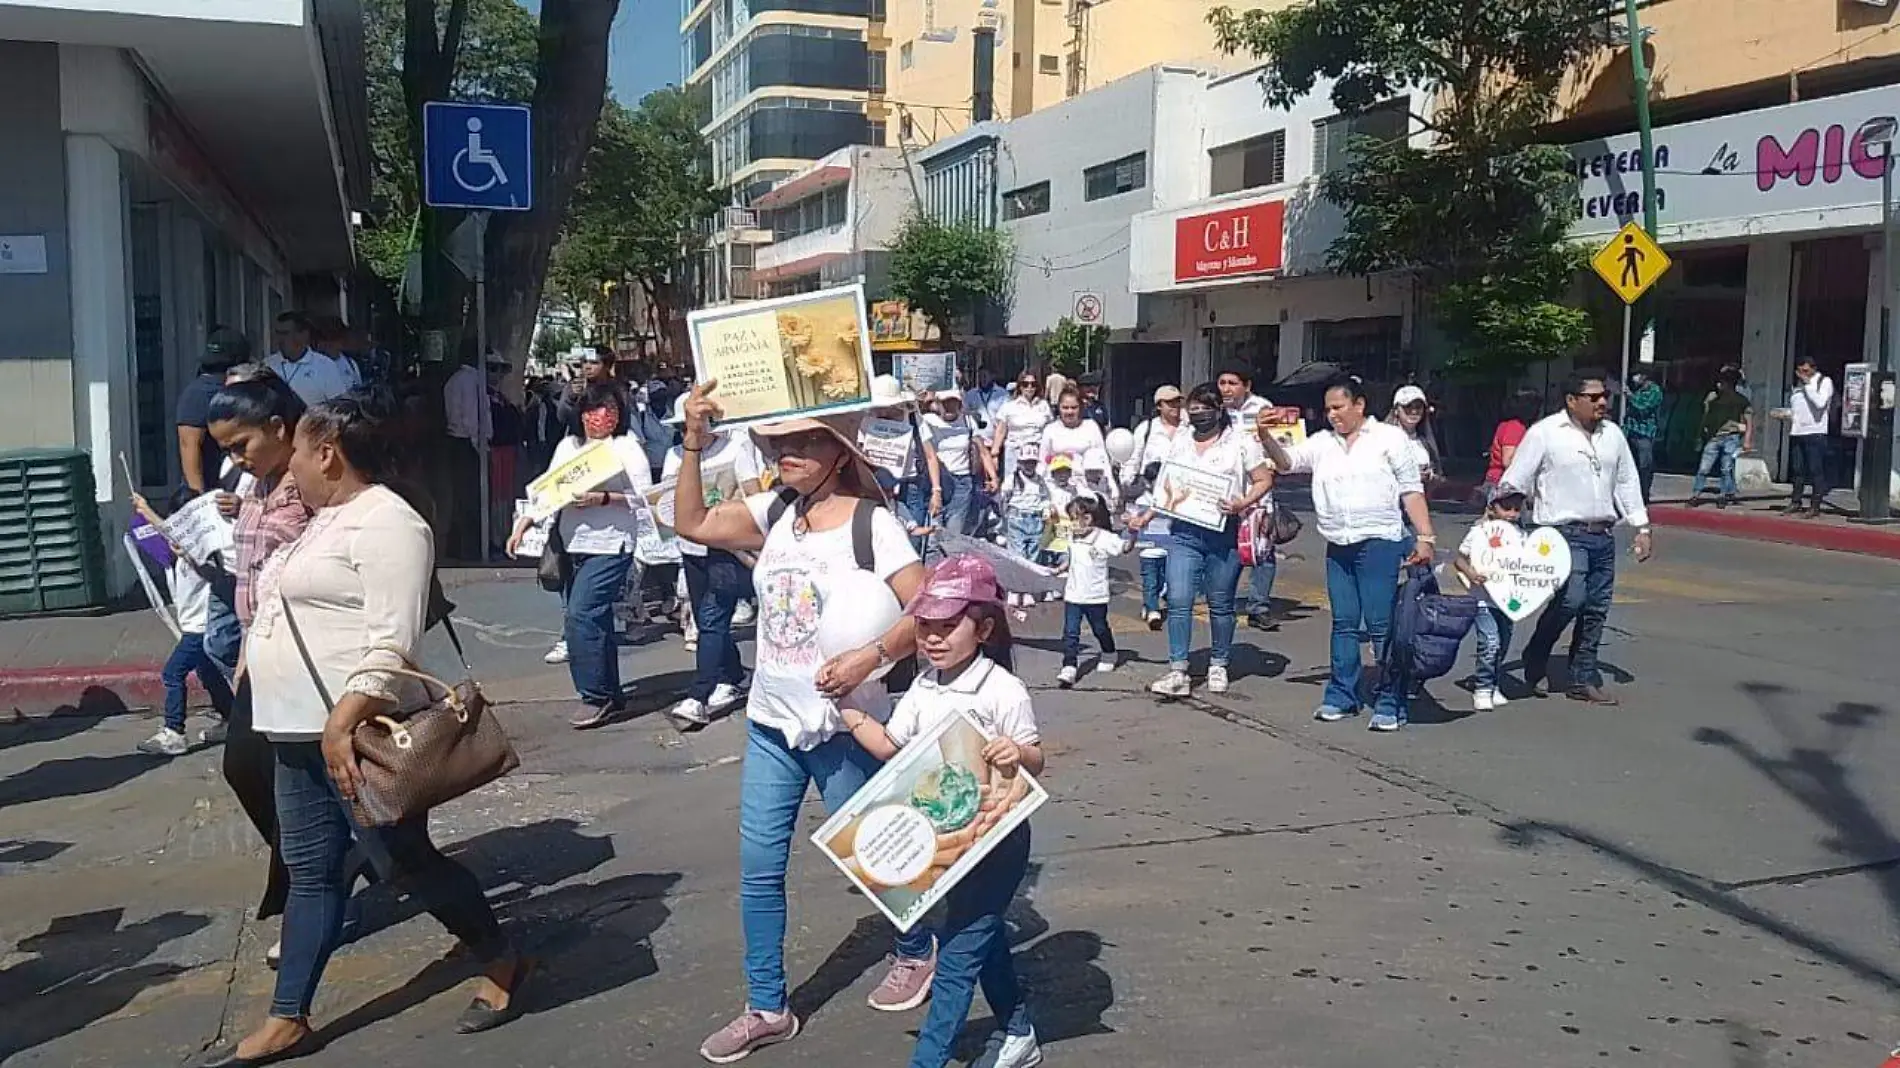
(1046, 51)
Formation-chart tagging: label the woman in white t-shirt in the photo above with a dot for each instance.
(1204, 561)
(796, 733)
(1074, 437)
(600, 532)
(1365, 485)
(1154, 438)
(716, 580)
(1019, 426)
(949, 437)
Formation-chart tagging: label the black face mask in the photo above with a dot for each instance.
(1206, 423)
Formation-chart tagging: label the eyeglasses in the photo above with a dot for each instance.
(801, 444)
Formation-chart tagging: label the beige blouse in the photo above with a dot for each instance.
(357, 582)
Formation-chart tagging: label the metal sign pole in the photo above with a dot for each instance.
(484, 429)
(1623, 394)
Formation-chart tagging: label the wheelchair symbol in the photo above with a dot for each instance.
(477, 155)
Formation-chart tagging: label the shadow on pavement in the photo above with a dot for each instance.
(30, 851)
(867, 944)
(74, 776)
(86, 967)
(95, 705)
(1068, 992)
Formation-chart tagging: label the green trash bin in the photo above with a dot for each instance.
(51, 555)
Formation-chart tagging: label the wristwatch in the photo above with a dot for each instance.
(883, 655)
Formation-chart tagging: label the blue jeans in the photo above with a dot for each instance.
(1025, 534)
(190, 655)
(958, 495)
(1718, 455)
(1586, 599)
(714, 583)
(1494, 644)
(975, 949)
(314, 827)
(771, 789)
(1362, 580)
(593, 650)
(914, 495)
(1263, 575)
(1643, 451)
(1154, 581)
(1202, 562)
(223, 636)
(1072, 616)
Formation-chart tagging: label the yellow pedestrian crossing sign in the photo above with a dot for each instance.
(1630, 262)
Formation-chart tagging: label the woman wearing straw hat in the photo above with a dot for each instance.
(803, 536)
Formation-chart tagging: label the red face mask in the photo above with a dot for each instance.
(600, 423)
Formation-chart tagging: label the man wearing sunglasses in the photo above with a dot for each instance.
(1577, 468)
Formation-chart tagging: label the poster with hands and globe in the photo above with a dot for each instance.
(927, 819)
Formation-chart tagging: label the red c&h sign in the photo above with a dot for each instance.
(1223, 244)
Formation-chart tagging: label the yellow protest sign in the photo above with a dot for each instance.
(1630, 262)
(578, 474)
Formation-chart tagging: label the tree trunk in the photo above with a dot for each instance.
(570, 86)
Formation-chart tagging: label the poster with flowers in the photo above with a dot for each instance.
(803, 355)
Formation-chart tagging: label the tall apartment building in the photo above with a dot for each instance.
(1046, 51)
(791, 81)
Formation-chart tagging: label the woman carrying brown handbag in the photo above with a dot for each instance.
(355, 588)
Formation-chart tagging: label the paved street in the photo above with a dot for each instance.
(1708, 875)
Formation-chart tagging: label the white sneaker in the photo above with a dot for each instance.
(558, 654)
(166, 742)
(1066, 677)
(724, 696)
(744, 614)
(1216, 679)
(1010, 1051)
(1484, 700)
(1106, 665)
(1173, 684)
(688, 713)
(1498, 700)
(1051, 597)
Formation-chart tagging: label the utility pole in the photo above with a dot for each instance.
(1639, 71)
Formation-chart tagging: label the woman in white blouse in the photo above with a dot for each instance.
(1072, 436)
(949, 438)
(1365, 485)
(336, 611)
(1018, 428)
(1203, 560)
(600, 532)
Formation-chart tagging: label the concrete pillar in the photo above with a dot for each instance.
(1766, 331)
(104, 399)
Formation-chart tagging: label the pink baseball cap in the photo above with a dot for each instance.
(956, 583)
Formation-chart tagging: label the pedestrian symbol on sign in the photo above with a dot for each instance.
(1632, 257)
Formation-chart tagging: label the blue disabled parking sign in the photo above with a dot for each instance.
(480, 157)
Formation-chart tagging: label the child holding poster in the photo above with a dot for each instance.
(963, 634)
(1494, 627)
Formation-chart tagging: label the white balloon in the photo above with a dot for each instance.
(859, 608)
(1121, 444)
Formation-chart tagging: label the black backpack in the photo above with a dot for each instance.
(904, 671)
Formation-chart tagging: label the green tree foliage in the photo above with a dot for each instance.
(1482, 214)
(946, 269)
(1071, 347)
(495, 62)
(647, 182)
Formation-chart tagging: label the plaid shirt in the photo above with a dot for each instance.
(265, 523)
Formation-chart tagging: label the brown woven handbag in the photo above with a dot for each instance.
(412, 762)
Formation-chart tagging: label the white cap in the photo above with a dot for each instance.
(886, 392)
(1408, 395)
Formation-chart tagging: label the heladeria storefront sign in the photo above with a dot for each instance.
(1798, 167)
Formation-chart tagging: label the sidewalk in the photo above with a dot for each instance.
(110, 663)
(1759, 516)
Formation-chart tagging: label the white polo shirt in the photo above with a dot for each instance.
(314, 379)
(997, 700)
(1356, 490)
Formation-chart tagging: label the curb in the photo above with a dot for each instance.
(1883, 542)
(88, 691)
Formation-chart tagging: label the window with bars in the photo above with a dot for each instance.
(1250, 164)
(1115, 177)
(1333, 136)
(1027, 201)
(1049, 64)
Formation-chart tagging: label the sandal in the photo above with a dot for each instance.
(481, 1016)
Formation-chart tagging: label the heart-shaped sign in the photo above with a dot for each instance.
(1520, 571)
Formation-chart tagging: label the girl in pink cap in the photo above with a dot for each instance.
(964, 635)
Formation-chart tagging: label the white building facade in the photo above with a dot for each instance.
(832, 222)
(172, 166)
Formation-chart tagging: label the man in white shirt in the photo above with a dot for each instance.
(1807, 415)
(465, 409)
(1578, 471)
(1237, 396)
(986, 402)
(310, 374)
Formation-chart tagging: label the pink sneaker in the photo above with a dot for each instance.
(752, 1031)
(905, 986)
